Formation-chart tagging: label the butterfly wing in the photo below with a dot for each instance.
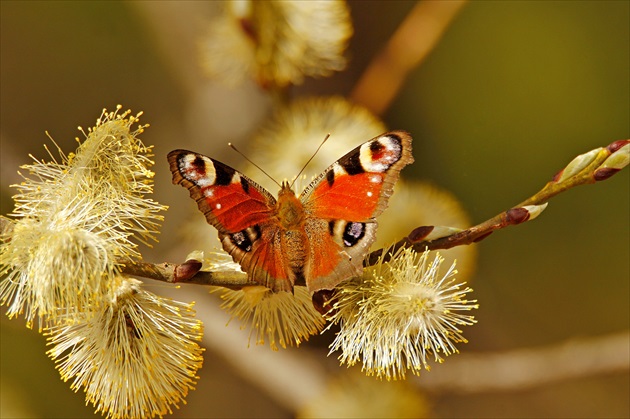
(242, 211)
(342, 204)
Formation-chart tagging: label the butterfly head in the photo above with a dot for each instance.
(286, 189)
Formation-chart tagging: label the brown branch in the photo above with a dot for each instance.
(187, 273)
(591, 167)
(585, 169)
(412, 42)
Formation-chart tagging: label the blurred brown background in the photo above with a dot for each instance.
(512, 92)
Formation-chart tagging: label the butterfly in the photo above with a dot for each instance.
(318, 239)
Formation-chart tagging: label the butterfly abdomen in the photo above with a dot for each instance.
(294, 241)
(295, 251)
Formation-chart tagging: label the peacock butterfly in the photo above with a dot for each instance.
(318, 239)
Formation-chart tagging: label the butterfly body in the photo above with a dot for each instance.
(317, 239)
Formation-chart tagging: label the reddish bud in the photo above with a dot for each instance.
(420, 233)
(612, 147)
(323, 301)
(186, 270)
(556, 177)
(248, 27)
(517, 215)
(604, 173)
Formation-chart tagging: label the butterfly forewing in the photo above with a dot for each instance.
(230, 201)
(358, 185)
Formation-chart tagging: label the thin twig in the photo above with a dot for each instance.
(421, 238)
(412, 42)
(165, 272)
(170, 272)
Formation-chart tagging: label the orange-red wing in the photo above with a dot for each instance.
(353, 198)
(329, 262)
(230, 201)
(342, 203)
(358, 186)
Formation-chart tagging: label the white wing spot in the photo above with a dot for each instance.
(389, 155)
(369, 193)
(191, 171)
(218, 206)
(375, 178)
(338, 170)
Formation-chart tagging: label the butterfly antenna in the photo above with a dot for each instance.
(309, 160)
(255, 165)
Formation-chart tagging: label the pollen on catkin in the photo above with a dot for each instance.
(276, 43)
(76, 217)
(136, 356)
(399, 315)
(279, 318)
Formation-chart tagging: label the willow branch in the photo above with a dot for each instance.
(412, 42)
(188, 272)
(591, 167)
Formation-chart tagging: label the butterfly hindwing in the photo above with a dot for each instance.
(260, 255)
(337, 251)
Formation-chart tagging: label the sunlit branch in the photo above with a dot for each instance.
(187, 272)
(596, 165)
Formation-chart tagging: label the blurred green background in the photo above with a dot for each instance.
(513, 91)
